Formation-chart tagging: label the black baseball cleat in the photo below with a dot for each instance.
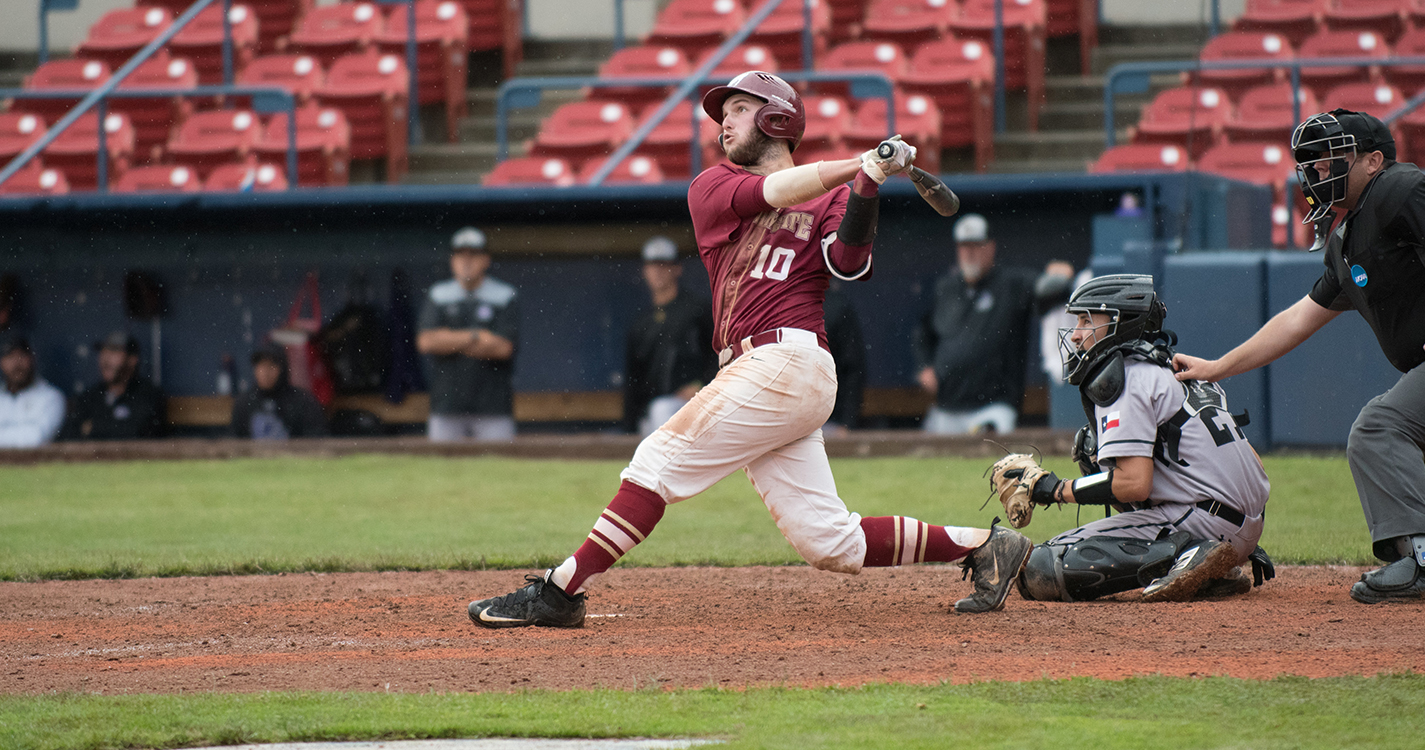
(993, 567)
(539, 604)
(1400, 581)
(1193, 568)
(1235, 583)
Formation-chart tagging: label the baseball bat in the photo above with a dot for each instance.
(940, 198)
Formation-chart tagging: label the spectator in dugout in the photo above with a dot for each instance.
(276, 409)
(31, 410)
(973, 345)
(123, 405)
(468, 326)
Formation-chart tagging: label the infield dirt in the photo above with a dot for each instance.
(684, 627)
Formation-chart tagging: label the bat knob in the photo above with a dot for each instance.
(885, 150)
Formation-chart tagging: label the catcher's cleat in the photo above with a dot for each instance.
(1400, 581)
(993, 567)
(541, 604)
(1235, 583)
(1193, 568)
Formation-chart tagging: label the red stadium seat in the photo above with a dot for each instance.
(1294, 19)
(781, 32)
(695, 26)
(441, 53)
(739, 60)
(908, 23)
(635, 169)
(846, 16)
(670, 141)
(1385, 17)
(118, 34)
(371, 89)
(300, 74)
(1256, 162)
(323, 145)
(917, 120)
(879, 57)
(1410, 78)
(490, 22)
(641, 62)
(958, 75)
(78, 76)
(76, 149)
(1266, 114)
(274, 17)
(1023, 44)
(159, 178)
(201, 41)
(827, 118)
(823, 153)
(1378, 99)
(1189, 116)
(1141, 157)
(243, 178)
(17, 131)
(528, 171)
(331, 31)
(580, 131)
(208, 139)
(153, 119)
(1340, 44)
(1242, 46)
(1410, 140)
(35, 179)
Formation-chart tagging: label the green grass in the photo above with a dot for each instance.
(395, 512)
(1133, 714)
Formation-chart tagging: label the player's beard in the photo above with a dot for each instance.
(751, 151)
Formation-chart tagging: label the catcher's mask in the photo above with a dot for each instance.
(783, 116)
(1134, 312)
(1334, 140)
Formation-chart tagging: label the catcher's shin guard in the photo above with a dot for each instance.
(1097, 566)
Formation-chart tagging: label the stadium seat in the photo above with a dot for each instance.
(441, 54)
(300, 74)
(208, 139)
(1188, 116)
(846, 18)
(1294, 19)
(908, 23)
(159, 178)
(492, 23)
(1023, 44)
(153, 119)
(17, 131)
(781, 32)
(331, 31)
(1340, 44)
(118, 34)
(35, 179)
(641, 62)
(1409, 78)
(244, 178)
(370, 89)
(917, 120)
(1410, 136)
(958, 75)
(1241, 46)
(201, 41)
(323, 145)
(669, 142)
(823, 153)
(695, 26)
(1266, 114)
(827, 118)
(634, 169)
(76, 150)
(740, 59)
(1261, 163)
(529, 171)
(1141, 157)
(274, 17)
(78, 76)
(886, 58)
(580, 131)
(1385, 17)
(1379, 99)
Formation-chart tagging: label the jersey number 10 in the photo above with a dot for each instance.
(778, 268)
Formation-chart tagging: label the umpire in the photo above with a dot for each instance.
(1375, 264)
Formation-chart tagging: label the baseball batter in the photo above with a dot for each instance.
(1167, 455)
(771, 235)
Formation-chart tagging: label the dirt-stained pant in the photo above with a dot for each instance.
(762, 413)
(1150, 522)
(1388, 464)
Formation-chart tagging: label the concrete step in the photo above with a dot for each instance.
(445, 177)
(441, 157)
(1010, 166)
(1049, 145)
(1085, 115)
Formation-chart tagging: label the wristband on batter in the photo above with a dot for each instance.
(863, 209)
(1094, 489)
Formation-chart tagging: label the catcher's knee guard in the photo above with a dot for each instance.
(1097, 566)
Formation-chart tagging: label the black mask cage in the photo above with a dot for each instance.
(1322, 140)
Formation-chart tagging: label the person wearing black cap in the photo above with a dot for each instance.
(1375, 264)
(31, 410)
(668, 355)
(276, 409)
(123, 405)
(468, 327)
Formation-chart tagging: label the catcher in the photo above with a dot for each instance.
(1166, 454)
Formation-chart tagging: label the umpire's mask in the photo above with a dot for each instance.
(1322, 140)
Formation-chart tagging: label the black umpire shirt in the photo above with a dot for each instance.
(977, 338)
(466, 385)
(668, 347)
(139, 412)
(1374, 264)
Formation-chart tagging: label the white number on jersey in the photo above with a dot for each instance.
(778, 268)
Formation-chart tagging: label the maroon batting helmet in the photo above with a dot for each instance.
(783, 116)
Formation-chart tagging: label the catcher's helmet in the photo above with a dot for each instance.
(1327, 138)
(783, 116)
(1135, 312)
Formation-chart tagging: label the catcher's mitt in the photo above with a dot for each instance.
(1014, 477)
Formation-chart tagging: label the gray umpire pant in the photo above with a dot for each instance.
(1386, 451)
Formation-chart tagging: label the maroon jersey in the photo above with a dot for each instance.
(766, 264)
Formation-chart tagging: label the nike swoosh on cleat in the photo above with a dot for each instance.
(485, 616)
(994, 579)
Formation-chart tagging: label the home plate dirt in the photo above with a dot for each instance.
(681, 627)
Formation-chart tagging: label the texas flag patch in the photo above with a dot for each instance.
(1109, 421)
